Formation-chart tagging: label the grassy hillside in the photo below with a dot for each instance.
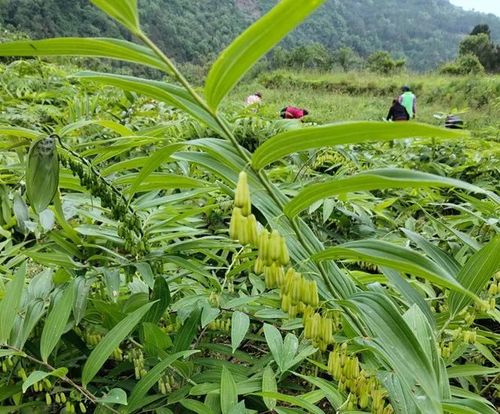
(365, 96)
(426, 32)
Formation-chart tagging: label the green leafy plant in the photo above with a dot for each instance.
(184, 272)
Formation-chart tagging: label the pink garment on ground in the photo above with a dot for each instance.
(294, 113)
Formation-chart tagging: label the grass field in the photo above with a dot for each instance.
(332, 97)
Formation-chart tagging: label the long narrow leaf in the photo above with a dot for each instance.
(374, 180)
(398, 345)
(151, 378)
(476, 273)
(171, 94)
(252, 44)
(56, 322)
(123, 11)
(342, 133)
(400, 258)
(10, 303)
(81, 46)
(112, 340)
(228, 391)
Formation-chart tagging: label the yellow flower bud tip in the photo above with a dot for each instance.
(242, 194)
(274, 246)
(258, 266)
(253, 237)
(284, 256)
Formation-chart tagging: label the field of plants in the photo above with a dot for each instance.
(165, 249)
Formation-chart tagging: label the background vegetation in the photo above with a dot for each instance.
(424, 33)
(131, 277)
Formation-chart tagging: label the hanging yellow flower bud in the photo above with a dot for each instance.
(253, 236)
(242, 195)
(284, 258)
(258, 266)
(48, 399)
(263, 247)
(275, 246)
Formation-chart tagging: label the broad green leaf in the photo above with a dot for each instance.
(114, 396)
(37, 376)
(297, 401)
(160, 295)
(441, 258)
(151, 378)
(240, 322)
(42, 173)
(160, 181)
(56, 322)
(81, 46)
(111, 341)
(173, 95)
(123, 11)
(208, 315)
(228, 391)
(467, 406)
(475, 274)
(387, 254)
(332, 394)
(17, 131)
(269, 385)
(252, 44)
(196, 406)
(153, 162)
(373, 180)
(186, 334)
(10, 303)
(155, 340)
(409, 293)
(470, 370)
(396, 343)
(304, 139)
(274, 342)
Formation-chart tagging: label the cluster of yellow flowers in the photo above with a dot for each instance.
(320, 328)
(299, 296)
(243, 225)
(364, 388)
(137, 358)
(220, 325)
(166, 384)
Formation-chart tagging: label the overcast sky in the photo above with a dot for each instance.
(487, 6)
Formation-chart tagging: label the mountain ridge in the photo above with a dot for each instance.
(425, 32)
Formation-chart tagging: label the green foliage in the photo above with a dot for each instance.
(382, 62)
(143, 288)
(467, 64)
(196, 30)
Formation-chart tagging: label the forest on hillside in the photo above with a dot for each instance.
(424, 32)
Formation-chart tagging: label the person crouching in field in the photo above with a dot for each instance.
(254, 99)
(409, 101)
(397, 112)
(291, 112)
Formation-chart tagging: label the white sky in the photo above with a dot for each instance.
(486, 6)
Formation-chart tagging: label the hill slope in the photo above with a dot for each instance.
(426, 32)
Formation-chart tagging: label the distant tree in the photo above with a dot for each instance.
(481, 28)
(346, 58)
(468, 64)
(383, 62)
(481, 46)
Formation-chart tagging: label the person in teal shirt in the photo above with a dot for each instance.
(409, 101)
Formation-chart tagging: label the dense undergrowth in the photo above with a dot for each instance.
(357, 271)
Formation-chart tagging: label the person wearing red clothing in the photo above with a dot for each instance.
(291, 112)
